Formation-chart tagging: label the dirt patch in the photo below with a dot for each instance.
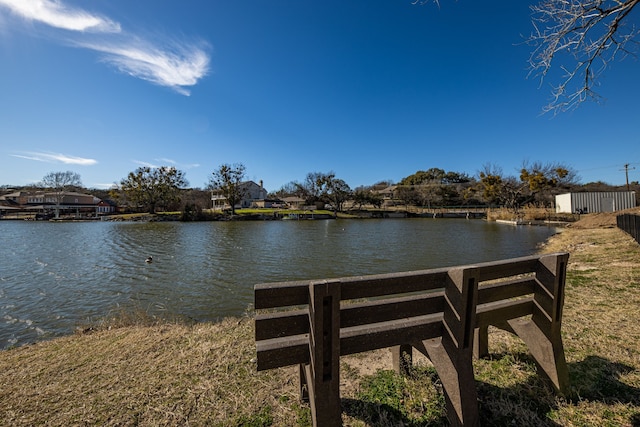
(601, 220)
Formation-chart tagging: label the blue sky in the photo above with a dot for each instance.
(369, 89)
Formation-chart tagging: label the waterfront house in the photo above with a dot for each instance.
(252, 195)
(388, 194)
(106, 207)
(65, 202)
(270, 203)
(294, 202)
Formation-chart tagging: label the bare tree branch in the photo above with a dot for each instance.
(590, 34)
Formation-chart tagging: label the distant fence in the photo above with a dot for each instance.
(630, 224)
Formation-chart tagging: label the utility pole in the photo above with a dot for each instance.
(626, 173)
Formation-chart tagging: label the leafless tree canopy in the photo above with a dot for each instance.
(588, 35)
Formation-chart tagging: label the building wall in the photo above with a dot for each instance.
(563, 203)
(593, 202)
(252, 194)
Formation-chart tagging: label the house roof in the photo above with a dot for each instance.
(293, 199)
(389, 189)
(12, 195)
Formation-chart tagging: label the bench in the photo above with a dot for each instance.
(443, 313)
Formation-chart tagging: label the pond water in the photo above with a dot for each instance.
(55, 277)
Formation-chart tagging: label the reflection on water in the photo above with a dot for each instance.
(57, 276)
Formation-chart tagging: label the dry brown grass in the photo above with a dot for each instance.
(601, 327)
(530, 214)
(159, 375)
(204, 374)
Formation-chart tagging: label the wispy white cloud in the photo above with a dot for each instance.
(165, 162)
(105, 186)
(180, 165)
(145, 164)
(55, 158)
(177, 67)
(56, 14)
(164, 62)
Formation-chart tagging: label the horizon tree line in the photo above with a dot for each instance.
(166, 188)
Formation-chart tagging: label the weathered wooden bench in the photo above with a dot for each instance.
(443, 313)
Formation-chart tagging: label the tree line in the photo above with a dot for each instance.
(165, 188)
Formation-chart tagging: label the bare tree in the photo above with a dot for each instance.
(227, 180)
(544, 181)
(339, 192)
(60, 182)
(148, 187)
(588, 35)
(500, 189)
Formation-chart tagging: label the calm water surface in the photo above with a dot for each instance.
(55, 277)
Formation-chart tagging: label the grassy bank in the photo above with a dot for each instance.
(204, 374)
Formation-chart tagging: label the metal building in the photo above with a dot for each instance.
(592, 202)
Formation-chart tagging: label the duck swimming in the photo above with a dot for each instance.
(149, 260)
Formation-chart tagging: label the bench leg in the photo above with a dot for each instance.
(481, 342)
(402, 359)
(304, 385)
(324, 401)
(481, 338)
(548, 352)
(455, 370)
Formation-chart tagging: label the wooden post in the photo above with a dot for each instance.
(304, 386)
(481, 342)
(402, 356)
(452, 355)
(323, 372)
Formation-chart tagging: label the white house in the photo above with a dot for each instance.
(251, 194)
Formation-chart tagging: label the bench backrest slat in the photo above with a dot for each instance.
(390, 309)
(388, 334)
(288, 294)
(506, 268)
(280, 352)
(501, 311)
(282, 324)
(390, 284)
(296, 322)
(506, 290)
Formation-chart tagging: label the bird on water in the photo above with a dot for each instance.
(149, 260)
